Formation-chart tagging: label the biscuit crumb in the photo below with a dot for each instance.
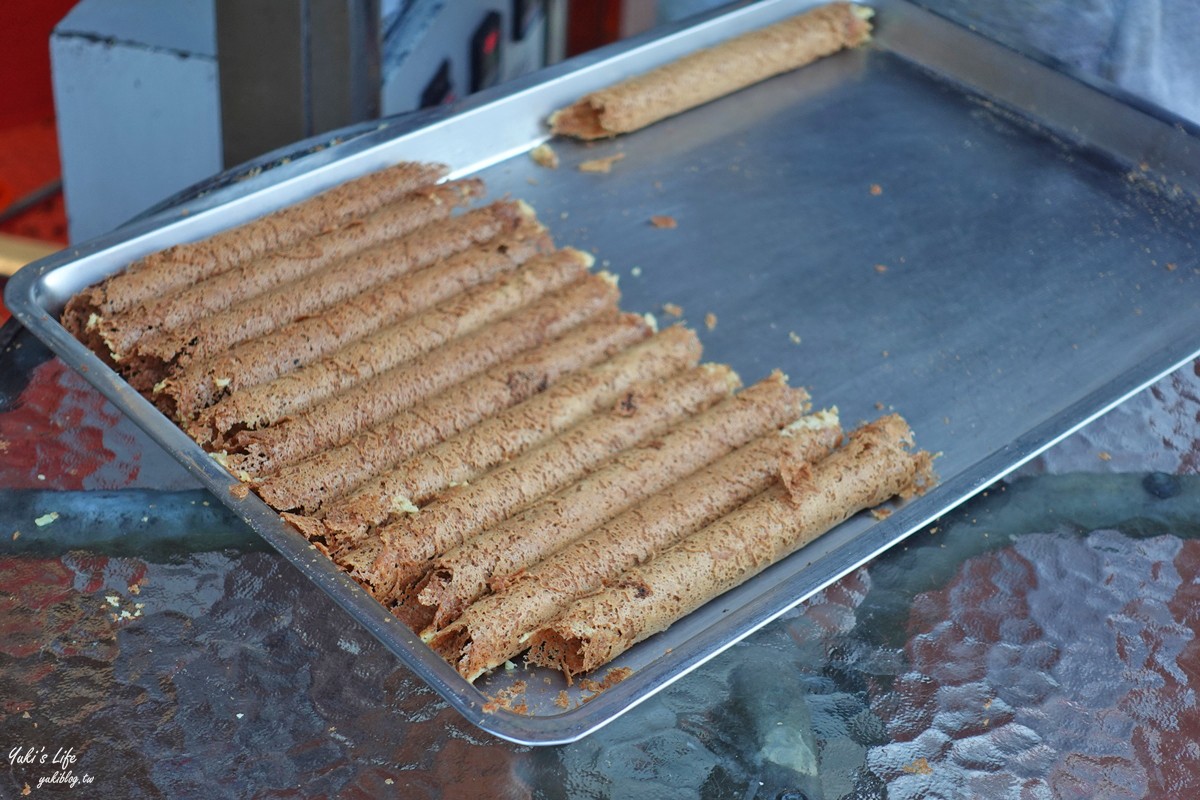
(879, 406)
(600, 164)
(881, 513)
(663, 221)
(881, 268)
(506, 699)
(563, 700)
(710, 320)
(240, 490)
(16, 535)
(794, 337)
(1105, 455)
(876, 189)
(1172, 266)
(544, 156)
(919, 767)
(672, 309)
(135, 588)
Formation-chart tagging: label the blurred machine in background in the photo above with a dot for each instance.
(153, 97)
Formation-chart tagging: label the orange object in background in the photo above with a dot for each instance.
(28, 140)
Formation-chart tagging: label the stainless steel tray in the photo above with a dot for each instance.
(1035, 233)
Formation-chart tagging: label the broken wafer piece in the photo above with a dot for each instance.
(512, 432)
(496, 627)
(875, 465)
(460, 576)
(464, 511)
(333, 473)
(705, 75)
(177, 267)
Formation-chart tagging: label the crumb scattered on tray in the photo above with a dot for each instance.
(600, 164)
(881, 268)
(563, 700)
(794, 337)
(16, 535)
(1172, 266)
(544, 156)
(876, 189)
(240, 490)
(881, 513)
(635, 272)
(1105, 455)
(710, 320)
(672, 309)
(663, 221)
(135, 588)
(506, 699)
(879, 406)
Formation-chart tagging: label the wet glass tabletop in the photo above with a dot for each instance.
(1038, 642)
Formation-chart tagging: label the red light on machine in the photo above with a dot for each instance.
(485, 52)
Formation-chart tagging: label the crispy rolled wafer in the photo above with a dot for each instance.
(466, 510)
(259, 315)
(511, 433)
(288, 394)
(176, 267)
(338, 419)
(458, 577)
(332, 473)
(875, 465)
(495, 628)
(708, 74)
(195, 386)
(251, 278)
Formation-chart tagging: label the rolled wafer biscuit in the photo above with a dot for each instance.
(511, 432)
(465, 510)
(708, 74)
(264, 313)
(293, 392)
(332, 473)
(460, 576)
(121, 332)
(176, 267)
(495, 628)
(875, 465)
(336, 420)
(194, 386)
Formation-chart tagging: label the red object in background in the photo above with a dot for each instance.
(25, 59)
(28, 139)
(592, 24)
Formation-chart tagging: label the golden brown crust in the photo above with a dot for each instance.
(180, 266)
(194, 386)
(294, 392)
(875, 465)
(460, 576)
(705, 75)
(333, 473)
(513, 432)
(464, 511)
(494, 628)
